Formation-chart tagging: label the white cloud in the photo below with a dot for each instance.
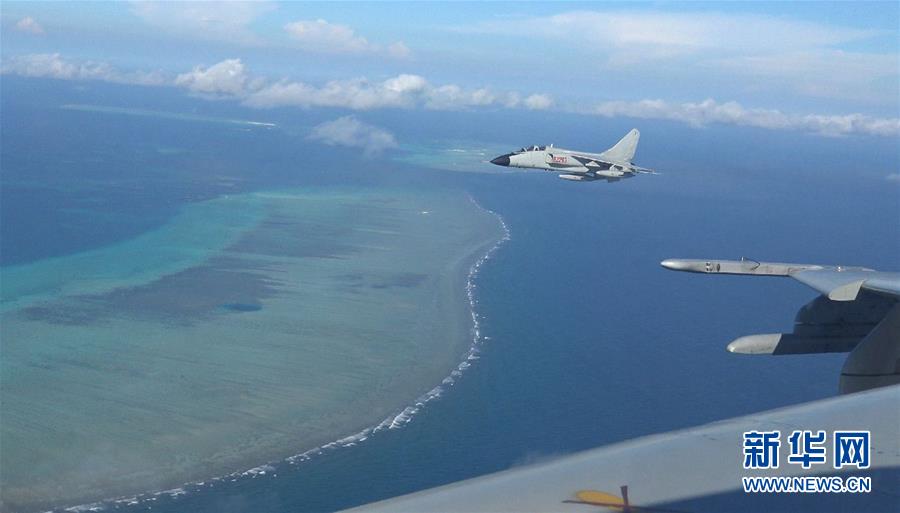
(402, 91)
(398, 50)
(355, 94)
(28, 24)
(210, 20)
(351, 132)
(710, 111)
(229, 79)
(319, 35)
(825, 73)
(539, 102)
(649, 35)
(224, 78)
(766, 52)
(406, 83)
(893, 177)
(741, 33)
(51, 65)
(452, 97)
(324, 37)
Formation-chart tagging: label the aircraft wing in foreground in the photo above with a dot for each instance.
(698, 469)
(857, 312)
(705, 468)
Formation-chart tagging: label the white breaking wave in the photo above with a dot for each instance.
(405, 416)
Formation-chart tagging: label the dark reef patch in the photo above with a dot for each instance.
(285, 237)
(405, 280)
(223, 284)
(382, 281)
(181, 298)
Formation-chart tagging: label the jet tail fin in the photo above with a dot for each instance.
(624, 150)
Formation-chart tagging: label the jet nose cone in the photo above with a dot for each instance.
(502, 160)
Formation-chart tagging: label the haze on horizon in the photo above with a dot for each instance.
(828, 69)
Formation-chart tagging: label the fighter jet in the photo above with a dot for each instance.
(612, 165)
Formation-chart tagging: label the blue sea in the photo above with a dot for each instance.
(587, 340)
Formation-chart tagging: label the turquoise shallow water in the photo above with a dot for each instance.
(178, 116)
(466, 156)
(224, 345)
(191, 237)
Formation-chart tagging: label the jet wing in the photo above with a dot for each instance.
(596, 164)
(843, 285)
(593, 163)
(858, 313)
(837, 282)
(697, 469)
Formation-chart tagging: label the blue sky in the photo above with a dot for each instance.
(829, 68)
